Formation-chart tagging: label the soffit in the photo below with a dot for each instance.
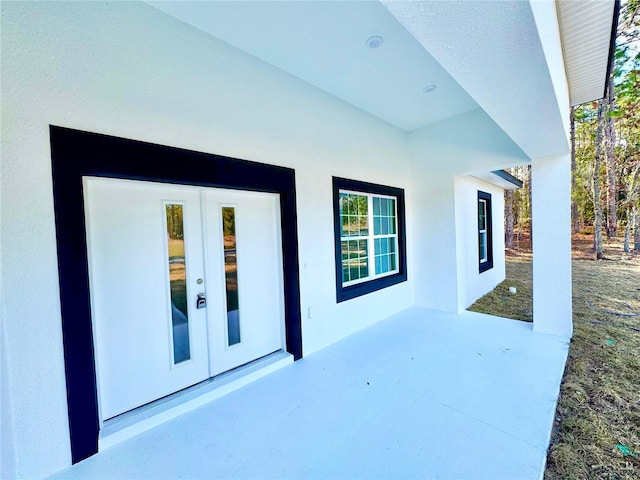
(586, 29)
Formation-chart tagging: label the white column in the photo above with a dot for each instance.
(551, 216)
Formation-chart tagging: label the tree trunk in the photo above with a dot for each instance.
(529, 176)
(627, 231)
(636, 230)
(574, 203)
(609, 143)
(597, 223)
(508, 219)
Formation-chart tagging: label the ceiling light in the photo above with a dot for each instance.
(375, 41)
(429, 88)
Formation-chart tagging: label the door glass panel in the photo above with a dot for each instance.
(177, 282)
(231, 274)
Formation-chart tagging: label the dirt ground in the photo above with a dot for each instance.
(597, 429)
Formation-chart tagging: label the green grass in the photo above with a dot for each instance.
(597, 428)
(599, 405)
(501, 302)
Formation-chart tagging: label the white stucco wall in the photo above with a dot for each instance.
(128, 70)
(434, 253)
(551, 201)
(546, 18)
(443, 258)
(473, 284)
(7, 453)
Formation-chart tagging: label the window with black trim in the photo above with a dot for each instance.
(369, 231)
(485, 239)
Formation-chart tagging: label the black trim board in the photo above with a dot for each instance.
(75, 154)
(612, 45)
(488, 265)
(508, 177)
(353, 291)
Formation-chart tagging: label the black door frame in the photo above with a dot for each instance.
(75, 154)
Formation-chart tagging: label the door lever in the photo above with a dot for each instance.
(201, 301)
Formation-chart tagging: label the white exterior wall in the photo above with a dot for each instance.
(443, 243)
(551, 198)
(551, 226)
(128, 70)
(546, 18)
(434, 233)
(473, 284)
(7, 453)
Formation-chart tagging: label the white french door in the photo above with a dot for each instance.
(186, 283)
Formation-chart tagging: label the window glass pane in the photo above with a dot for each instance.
(363, 214)
(363, 205)
(353, 226)
(384, 217)
(345, 204)
(355, 260)
(364, 225)
(177, 283)
(354, 217)
(231, 275)
(392, 216)
(364, 270)
(482, 215)
(483, 246)
(376, 205)
(345, 274)
(362, 249)
(392, 261)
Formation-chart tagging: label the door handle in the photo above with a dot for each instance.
(201, 301)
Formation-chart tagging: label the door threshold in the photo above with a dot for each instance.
(146, 417)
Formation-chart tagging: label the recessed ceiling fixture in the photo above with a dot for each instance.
(429, 88)
(375, 41)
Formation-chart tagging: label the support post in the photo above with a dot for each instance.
(551, 226)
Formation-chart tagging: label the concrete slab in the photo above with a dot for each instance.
(423, 394)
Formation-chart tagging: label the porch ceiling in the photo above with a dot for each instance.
(325, 44)
(486, 54)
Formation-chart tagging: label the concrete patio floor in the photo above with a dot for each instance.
(423, 394)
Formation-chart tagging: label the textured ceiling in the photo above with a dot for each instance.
(501, 56)
(493, 50)
(324, 43)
